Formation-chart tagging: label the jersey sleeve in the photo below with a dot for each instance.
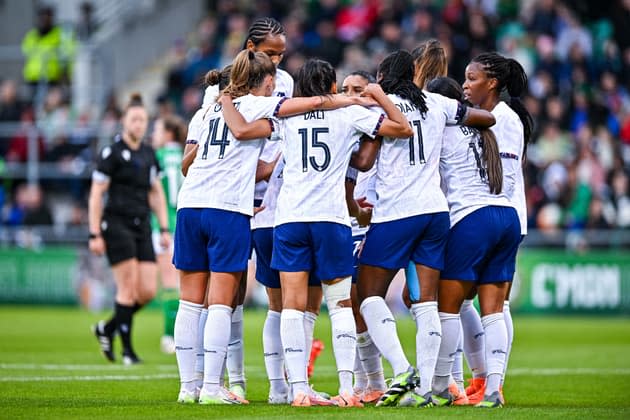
(105, 165)
(262, 107)
(365, 120)
(195, 126)
(454, 111)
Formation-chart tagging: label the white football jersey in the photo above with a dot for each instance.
(407, 175)
(265, 218)
(317, 150)
(223, 173)
(195, 125)
(284, 88)
(365, 184)
(510, 138)
(464, 176)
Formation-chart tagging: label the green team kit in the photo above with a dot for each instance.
(169, 158)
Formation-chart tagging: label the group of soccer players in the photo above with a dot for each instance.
(275, 167)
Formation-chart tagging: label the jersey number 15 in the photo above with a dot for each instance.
(316, 143)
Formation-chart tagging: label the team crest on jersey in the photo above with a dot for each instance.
(106, 152)
(126, 154)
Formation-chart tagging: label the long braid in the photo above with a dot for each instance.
(489, 148)
(397, 78)
(261, 28)
(510, 76)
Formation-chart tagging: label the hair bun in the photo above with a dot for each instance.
(212, 78)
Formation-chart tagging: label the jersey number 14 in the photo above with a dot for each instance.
(212, 139)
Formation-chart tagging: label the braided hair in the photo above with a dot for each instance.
(511, 77)
(396, 72)
(261, 28)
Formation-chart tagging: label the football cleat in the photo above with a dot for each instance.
(347, 400)
(130, 358)
(474, 385)
(187, 397)
(402, 383)
(414, 399)
(369, 395)
(493, 400)
(104, 340)
(221, 397)
(459, 397)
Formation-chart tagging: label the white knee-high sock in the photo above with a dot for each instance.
(382, 328)
(474, 339)
(360, 377)
(199, 347)
(294, 346)
(428, 339)
(458, 363)
(186, 332)
(510, 334)
(496, 349)
(235, 356)
(370, 358)
(344, 341)
(309, 328)
(448, 348)
(215, 342)
(272, 348)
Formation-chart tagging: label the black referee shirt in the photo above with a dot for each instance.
(130, 173)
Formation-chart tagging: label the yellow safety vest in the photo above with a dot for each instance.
(46, 56)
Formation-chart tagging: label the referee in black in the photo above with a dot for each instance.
(128, 172)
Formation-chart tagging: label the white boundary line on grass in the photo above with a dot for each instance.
(253, 369)
(88, 378)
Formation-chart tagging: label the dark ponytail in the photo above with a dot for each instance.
(396, 72)
(512, 77)
(490, 158)
(316, 77)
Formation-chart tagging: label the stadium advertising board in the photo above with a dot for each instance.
(559, 281)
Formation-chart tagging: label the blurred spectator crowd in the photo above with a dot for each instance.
(576, 53)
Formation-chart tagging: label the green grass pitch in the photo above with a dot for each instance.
(50, 367)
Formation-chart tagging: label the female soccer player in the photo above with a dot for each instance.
(430, 62)
(312, 232)
(168, 135)
(487, 76)
(265, 35)
(214, 206)
(369, 381)
(127, 170)
(484, 225)
(409, 222)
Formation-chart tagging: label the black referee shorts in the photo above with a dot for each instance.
(127, 238)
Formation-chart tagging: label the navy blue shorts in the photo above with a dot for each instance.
(482, 246)
(211, 240)
(324, 249)
(421, 239)
(267, 276)
(356, 244)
